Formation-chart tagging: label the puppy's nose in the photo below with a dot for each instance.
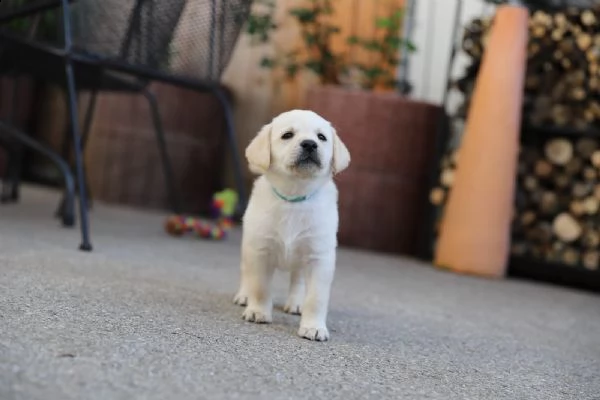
(309, 145)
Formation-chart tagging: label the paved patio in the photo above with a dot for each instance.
(147, 316)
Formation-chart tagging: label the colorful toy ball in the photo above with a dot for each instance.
(175, 225)
(217, 233)
(223, 206)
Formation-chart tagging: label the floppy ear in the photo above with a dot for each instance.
(341, 155)
(258, 152)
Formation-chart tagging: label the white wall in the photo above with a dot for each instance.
(432, 34)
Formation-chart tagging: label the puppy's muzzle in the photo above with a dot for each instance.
(308, 154)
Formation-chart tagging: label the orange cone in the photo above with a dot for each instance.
(475, 232)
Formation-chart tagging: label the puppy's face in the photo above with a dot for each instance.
(298, 143)
(301, 144)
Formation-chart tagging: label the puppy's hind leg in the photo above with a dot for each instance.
(257, 281)
(293, 304)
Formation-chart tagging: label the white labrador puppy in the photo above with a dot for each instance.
(291, 221)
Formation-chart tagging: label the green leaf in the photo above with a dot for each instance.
(393, 61)
(260, 26)
(310, 38)
(328, 8)
(372, 45)
(292, 70)
(328, 56)
(304, 15)
(410, 46)
(315, 65)
(398, 15)
(384, 23)
(332, 29)
(393, 41)
(267, 62)
(352, 40)
(373, 72)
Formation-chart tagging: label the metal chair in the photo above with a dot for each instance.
(116, 45)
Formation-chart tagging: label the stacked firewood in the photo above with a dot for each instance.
(556, 215)
(562, 83)
(556, 211)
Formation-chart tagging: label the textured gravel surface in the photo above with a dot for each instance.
(146, 316)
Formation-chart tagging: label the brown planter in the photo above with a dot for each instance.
(122, 158)
(391, 141)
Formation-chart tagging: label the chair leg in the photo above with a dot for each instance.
(237, 165)
(162, 147)
(83, 206)
(26, 140)
(9, 190)
(87, 123)
(66, 155)
(11, 185)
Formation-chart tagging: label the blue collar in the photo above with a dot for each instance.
(295, 199)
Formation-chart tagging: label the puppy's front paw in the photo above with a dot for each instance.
(317, 333)
(257, 316)
(292, 308)
(241, 299)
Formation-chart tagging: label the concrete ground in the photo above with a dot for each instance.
(147, 316)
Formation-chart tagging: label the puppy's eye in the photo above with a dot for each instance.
(322, 137)
(287, 135)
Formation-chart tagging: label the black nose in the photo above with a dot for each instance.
(309, 145)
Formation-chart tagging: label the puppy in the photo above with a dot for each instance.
(291, 221)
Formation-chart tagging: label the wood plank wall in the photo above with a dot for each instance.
(258, 98)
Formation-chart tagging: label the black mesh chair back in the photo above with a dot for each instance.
(112, 45)
(193, 39)
(190, 38)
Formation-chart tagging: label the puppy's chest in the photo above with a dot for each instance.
(293, 237)
(290, 229)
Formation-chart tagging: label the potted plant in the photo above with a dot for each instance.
(390, 136)
(316, 55)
